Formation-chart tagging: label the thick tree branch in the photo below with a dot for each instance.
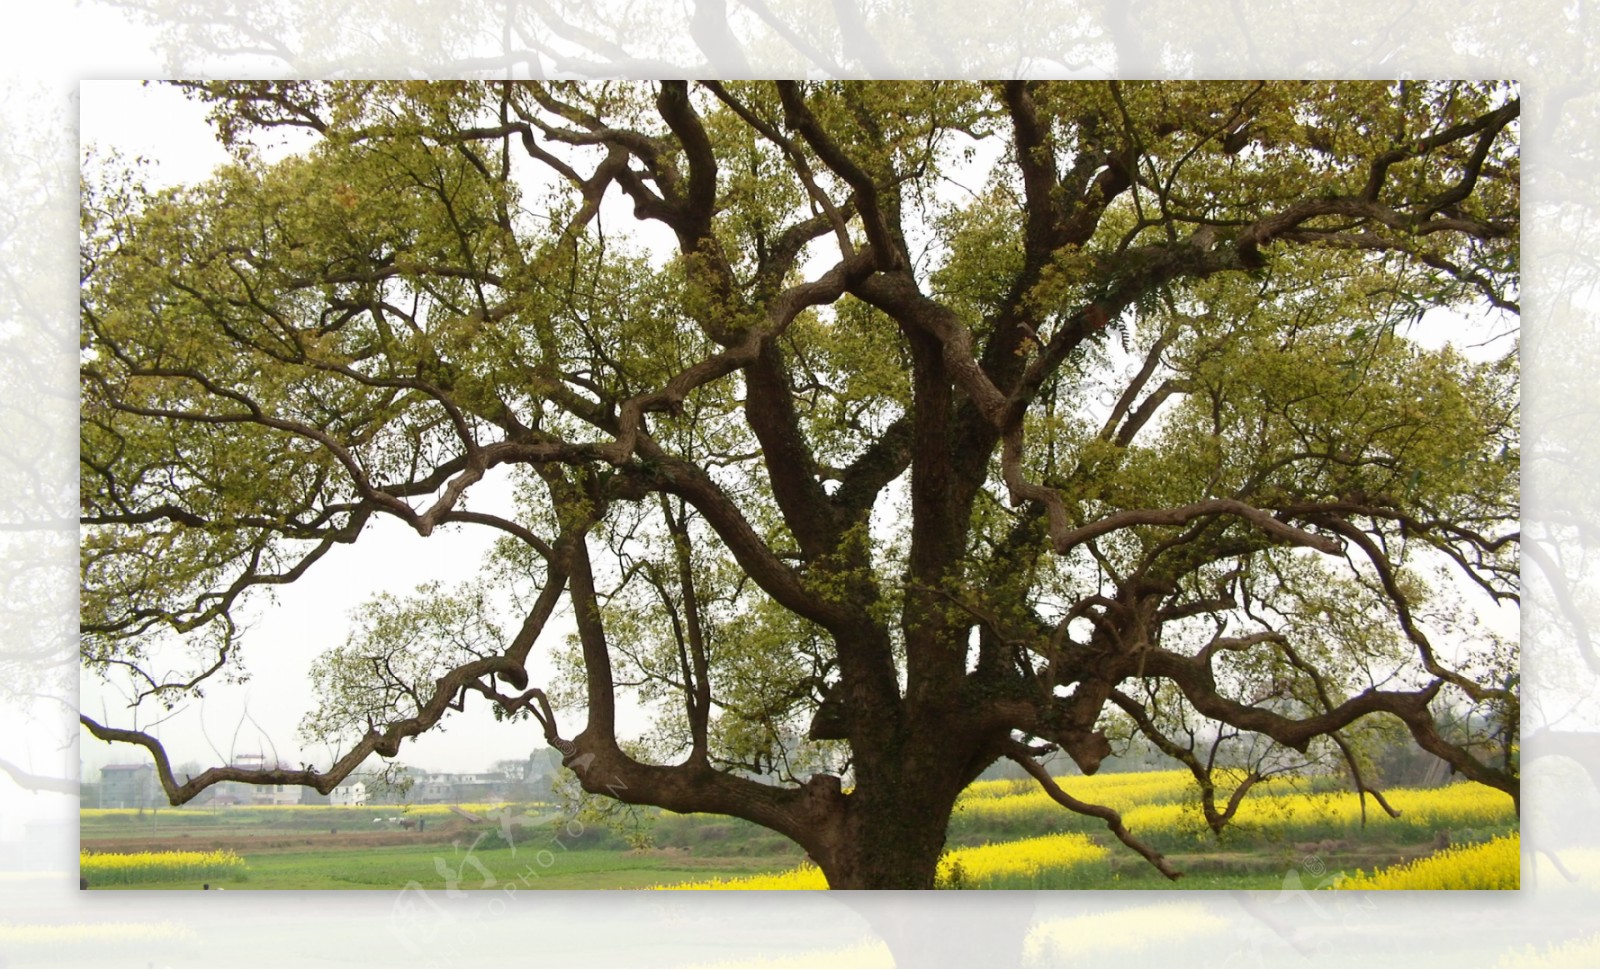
(385, 742)
(1066, 539)
(800, 118)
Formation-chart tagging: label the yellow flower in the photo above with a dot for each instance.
(119, 868)
(1028, 864)
(804, 876)
(1496, 864)
(1039, 863)
(1462, 805)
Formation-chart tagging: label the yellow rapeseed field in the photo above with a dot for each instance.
(1167, 804)
(1124, 789)
(122, 868)
(1027, 864)
(803, 876)
(1021, 805)
(1462, 805)
(135, 813)
(1496, 864)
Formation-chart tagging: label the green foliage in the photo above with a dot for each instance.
(399, 647)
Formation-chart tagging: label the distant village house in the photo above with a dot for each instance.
(355, 794)
(128, 786)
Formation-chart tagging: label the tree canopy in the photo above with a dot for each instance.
(868, 433)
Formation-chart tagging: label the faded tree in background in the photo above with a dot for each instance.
(926, 425)
(38, 530)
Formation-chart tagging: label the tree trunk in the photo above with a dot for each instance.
(891, 842)
(892, 829)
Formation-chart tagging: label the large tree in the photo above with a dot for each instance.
(925, 425)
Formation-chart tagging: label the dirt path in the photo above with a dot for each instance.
(243, 843)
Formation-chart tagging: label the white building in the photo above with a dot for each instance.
(277, 794)
(355, 794)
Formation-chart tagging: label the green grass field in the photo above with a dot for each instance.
(441, 867)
